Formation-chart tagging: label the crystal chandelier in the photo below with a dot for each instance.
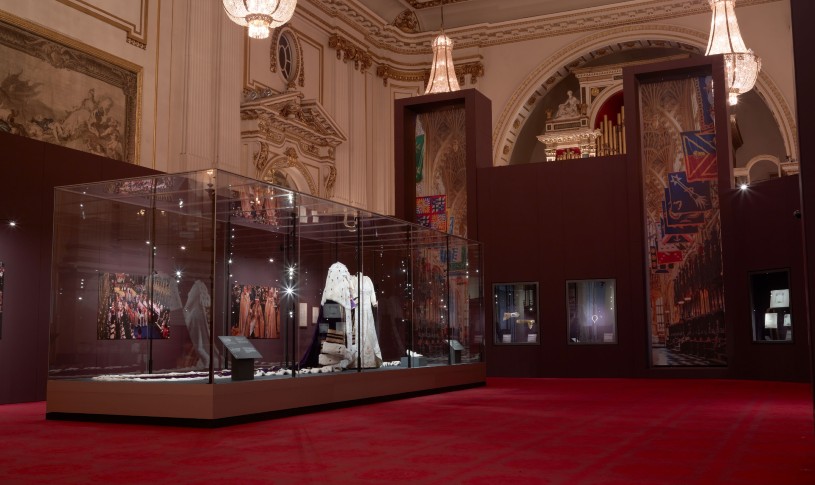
(442, 73)
(741, 65)
(260, 15)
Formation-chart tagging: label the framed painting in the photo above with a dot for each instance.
(59, 91)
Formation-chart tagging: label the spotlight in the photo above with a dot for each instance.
(12, 223)
(743, 186)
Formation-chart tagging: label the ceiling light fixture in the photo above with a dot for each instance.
(741, 65)
(442, 72)
(259, 15)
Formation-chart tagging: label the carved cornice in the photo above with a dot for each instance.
(419, 4)
(348, 51)
(388, 38)
(281, 116)
(386, 71)
(267, 165)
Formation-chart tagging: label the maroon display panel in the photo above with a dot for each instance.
(30, 170)
(478, 146)
(803, 37)
(583, 219)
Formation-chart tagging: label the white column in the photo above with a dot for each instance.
(338, 78)
(206, 65)
(229, 89)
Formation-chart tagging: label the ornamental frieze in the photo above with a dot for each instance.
(395, 40)
(474, 69)
(348, 51)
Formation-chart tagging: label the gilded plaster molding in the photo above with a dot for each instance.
(280, 117)
(599, 44)
(407, 22)
(389, 38)
(348, 51)
(532, 89)
(474, 69)
(418, 4)
(135, 32)
(299, 74)
(266, 165)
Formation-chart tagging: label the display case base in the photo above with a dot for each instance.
(211, 405)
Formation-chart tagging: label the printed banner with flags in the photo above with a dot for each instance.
(705, 93)
(686, 196)
(420, 150)
(700, 155)
(431, 211)
(673, 223)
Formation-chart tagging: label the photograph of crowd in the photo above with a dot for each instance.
(257, 204)
(126, 310)
(254, 311)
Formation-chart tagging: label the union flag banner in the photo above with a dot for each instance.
(700, 155)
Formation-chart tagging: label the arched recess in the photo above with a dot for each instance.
(748, 174)
(286, 168)
(540, 80)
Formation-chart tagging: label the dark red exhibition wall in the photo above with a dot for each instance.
(552, 222)
(803, 38)
(766, 236)
(565, 220)
(29, 171)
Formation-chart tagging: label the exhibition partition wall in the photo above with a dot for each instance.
(590, 277)
(30, 169)
(167, 284)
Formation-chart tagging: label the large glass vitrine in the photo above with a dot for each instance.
(151, 275)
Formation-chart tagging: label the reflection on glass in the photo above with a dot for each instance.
(770, 296)
(516, 313)
(591, 311)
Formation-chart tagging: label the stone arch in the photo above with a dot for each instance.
(599, 44)
(289, 167)
(758, 159)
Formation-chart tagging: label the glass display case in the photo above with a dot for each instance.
(590, 305)
(770, 306)
(516, 313)
(166, 278)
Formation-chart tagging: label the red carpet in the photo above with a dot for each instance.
(559, 431)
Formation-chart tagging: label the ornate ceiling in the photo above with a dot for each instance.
(460, 13)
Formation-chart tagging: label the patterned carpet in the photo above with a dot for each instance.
(557, 431)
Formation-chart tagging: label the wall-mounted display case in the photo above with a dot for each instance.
(591, 308)
(770, 306)
(152, 276)
(515, 313)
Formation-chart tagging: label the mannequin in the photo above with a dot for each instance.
(195, 317)
(369, 349)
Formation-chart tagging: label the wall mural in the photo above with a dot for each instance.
(683, 222)
(58, 94)
(441, 171)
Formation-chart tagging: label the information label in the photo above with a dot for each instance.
(240, 347)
